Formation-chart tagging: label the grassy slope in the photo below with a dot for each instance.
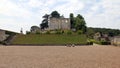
(50, 39)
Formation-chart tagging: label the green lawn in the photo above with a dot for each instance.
(50, 39)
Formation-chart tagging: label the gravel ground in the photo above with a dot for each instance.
(59, 57)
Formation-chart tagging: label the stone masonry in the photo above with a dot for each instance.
(59, 23)
(2, 35)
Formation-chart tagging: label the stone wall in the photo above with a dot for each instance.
(59, 23)
(2, 35)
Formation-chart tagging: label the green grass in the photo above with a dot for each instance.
(50, 39)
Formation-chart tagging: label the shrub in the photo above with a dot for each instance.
(37, 32)
(27, 32)
(48, 32)
(62, 31)
(104, 42)
(58, 32)
(79, 32)
(89, 42)
(93, 41)
(69, 32)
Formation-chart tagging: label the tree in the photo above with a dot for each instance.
(46, 16)
(72, 21)
(55, 14)
(80, 23)
(34, 29)
(44, 23)
(90, 32)
(84, 29)
(80, 16)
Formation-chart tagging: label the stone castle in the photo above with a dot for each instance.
(59, 23)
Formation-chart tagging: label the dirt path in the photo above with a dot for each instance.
(59, 57)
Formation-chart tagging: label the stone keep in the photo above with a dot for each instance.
(59, 23)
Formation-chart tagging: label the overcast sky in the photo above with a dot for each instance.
(17, 14)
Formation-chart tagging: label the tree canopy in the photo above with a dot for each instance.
(44, 23)
(78, 22)
(46, 16)
(72, 21)
(34, 28)
(55, 14)
(109, 32)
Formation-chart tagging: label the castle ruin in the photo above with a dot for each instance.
(59, 23)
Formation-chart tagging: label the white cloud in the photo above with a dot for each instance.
(70, 7)
(35, 3)
(15, 15)
(107, 17)
(11, 9)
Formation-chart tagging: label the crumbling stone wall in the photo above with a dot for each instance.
(59, 23)
(2, 35)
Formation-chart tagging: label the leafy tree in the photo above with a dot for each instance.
(55, 14)
(44, 23)
(80, 16)
(80, 23)
(84, 29)
(72, 21)
(46, 16)
(90, 33)
(109, 32)
(34, 29)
